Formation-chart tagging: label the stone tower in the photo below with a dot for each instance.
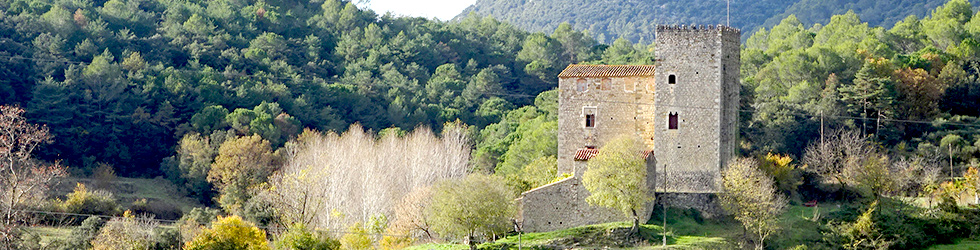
(697, 101)
(684, 108)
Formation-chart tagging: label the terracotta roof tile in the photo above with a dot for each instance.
(584, 154)
(576, 70)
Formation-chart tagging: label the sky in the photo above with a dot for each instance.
(442, 9)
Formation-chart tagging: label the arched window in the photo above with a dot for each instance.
(672, 79)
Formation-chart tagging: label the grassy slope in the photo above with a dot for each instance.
(127, 190)
(684, 231)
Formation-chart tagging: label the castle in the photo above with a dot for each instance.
(684, 109)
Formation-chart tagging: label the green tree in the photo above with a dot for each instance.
(751, 196)
(229, 233)
(872, 95)
(617, 178)
(476, 205)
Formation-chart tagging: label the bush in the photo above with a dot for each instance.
(165, 238)
(356, 238)
(82, 235)
(157, 209)
(104, 176)
(298, 237)
(83, 201)
(128, 232)
(901, 225)
(191, 223)
(230, 232)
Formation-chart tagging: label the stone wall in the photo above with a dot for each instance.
(562, 205)
(705, 203)
(625, 106)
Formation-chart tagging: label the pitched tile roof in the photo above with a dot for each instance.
(576, 70)
(584, 154)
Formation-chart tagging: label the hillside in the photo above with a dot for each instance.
(637, 20)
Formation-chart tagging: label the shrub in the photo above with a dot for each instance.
(298, 237)
(192, 222)
(157, 209)
(166, 238)
(83, 201)
(127, 232)
(104, 176)
(82, 235)
(230, 232)
(356, 238)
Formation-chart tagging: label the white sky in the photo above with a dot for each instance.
(442, 9)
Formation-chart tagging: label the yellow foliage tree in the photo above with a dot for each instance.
(242, 164)
(230, 233)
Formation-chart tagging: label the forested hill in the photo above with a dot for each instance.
(122, 81)
(636, 20)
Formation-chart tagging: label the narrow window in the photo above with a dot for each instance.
(672, 120)
(672, 79)
(589, 113)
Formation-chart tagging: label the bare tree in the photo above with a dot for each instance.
(751, 196)
(829, 157)
(24, 181)
(913, 174)
(332, 181)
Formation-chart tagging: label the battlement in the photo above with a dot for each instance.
(722, 28)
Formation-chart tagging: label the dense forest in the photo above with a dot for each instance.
(637, 20)
(121, 82)
(299, 116)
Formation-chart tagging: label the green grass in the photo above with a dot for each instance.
(128, 190)
(48, 234)
(962, 245)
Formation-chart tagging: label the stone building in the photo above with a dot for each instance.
(684, 109)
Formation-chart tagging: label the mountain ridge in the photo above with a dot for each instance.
(636, 21)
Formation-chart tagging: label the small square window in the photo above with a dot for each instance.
(589, 121)
(672, 79)
(581, 85)
(672, 121)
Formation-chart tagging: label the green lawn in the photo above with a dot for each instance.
(685, 230)
(962, 245)
(48, 234)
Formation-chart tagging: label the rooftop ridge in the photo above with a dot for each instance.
(586, 70)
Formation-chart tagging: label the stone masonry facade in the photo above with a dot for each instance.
(684, 109)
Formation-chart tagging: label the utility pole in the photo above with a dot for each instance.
(950, 160)
(664, 205)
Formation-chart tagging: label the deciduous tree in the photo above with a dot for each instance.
(617, 178)
(750, 195)
(241, 165)
(24, 181)
(477, 205)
